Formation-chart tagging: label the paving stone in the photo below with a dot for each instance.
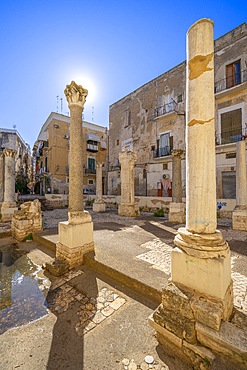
(98, 318)
(91, 325)
(107, 311)
(117, 303)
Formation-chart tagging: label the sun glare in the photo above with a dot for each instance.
(86, 83)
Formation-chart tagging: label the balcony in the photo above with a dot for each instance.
(163, 152)
(165, 109)
(230, 136)
(231, 81)
(92, 147)
(90, 171)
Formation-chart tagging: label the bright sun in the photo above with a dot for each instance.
(86, 83)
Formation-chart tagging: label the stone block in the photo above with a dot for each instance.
(239, 219)
(176, 323)
(229, 341)
(176, 212)
(75, 235)
(99, 207)
(210, 276)
(173, 298)
(207, 312)
(128, 210)
(165, 333)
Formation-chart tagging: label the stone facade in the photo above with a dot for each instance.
(27, 220)
(151, 122)
(52, 154)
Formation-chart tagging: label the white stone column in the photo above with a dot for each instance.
(127, 206)
(239, 215)
(177, 207)
(9, 204)
(99, 204)
(75, 235)
(203, 256)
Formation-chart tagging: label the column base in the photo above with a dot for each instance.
(74, 240)
(129, 210)
(239, 219)
(177, 212)
(192, 327)
(7, 211)
(99, 206)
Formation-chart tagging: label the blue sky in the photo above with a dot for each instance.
(111, 47)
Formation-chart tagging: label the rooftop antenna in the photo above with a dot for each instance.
(14, 127)
(57, 102)
(61, 100)
(92, 114)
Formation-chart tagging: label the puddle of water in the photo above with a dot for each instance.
(22, 293)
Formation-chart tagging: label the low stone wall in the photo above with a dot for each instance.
(53, 201)
(27, 220)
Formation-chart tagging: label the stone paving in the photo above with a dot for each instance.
(93, 310)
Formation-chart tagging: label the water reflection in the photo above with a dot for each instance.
(21, 296)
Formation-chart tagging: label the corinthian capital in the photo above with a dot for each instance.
(9, 152)
(177, 152)
(75, 94)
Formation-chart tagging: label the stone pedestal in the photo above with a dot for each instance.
(201, 291)
(239, 215)
(9, 204)
(177, 212)
(127, 206)
(27, 220)
(99, 204)
(75, 235)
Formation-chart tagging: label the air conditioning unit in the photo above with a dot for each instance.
(65, 136)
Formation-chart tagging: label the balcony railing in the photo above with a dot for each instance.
(162, 152)
(230, 136)
(92, 148)
(164, 109)
(230, 81)
(90, 171)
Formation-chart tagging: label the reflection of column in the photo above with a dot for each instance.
(99, 204)
(1, 177)
(200, 294)
(76, 234)
(127, 206)
(239, 215)
(9, 204)
(176, 208)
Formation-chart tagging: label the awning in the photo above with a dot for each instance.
(93, 137)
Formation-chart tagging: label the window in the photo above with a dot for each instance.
(90, 182)
(233, 74)
(180, 98)
(127, 118)
(164, 145)
(231, 126)
(91, 164)
(117, 142)
(229, 185)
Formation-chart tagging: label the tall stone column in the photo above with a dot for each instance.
(127, 206)
(239, 215)
(75, 235)
(200, 294)
(9, 204)
(1, 177)
(177, 207)
(99, 204)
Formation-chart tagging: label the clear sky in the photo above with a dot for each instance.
(111, 47)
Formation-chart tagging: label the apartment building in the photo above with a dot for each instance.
(151, 122)
(51, 153)
(11, 139)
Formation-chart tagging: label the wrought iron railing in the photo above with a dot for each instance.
(162, 152)
(230, 81)
(90, 171)
(164, 109)
(232, 136)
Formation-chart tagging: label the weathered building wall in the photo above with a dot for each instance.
(151, 121)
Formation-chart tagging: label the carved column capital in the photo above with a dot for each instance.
(75, 94)
(177, 152)
(9, 153)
